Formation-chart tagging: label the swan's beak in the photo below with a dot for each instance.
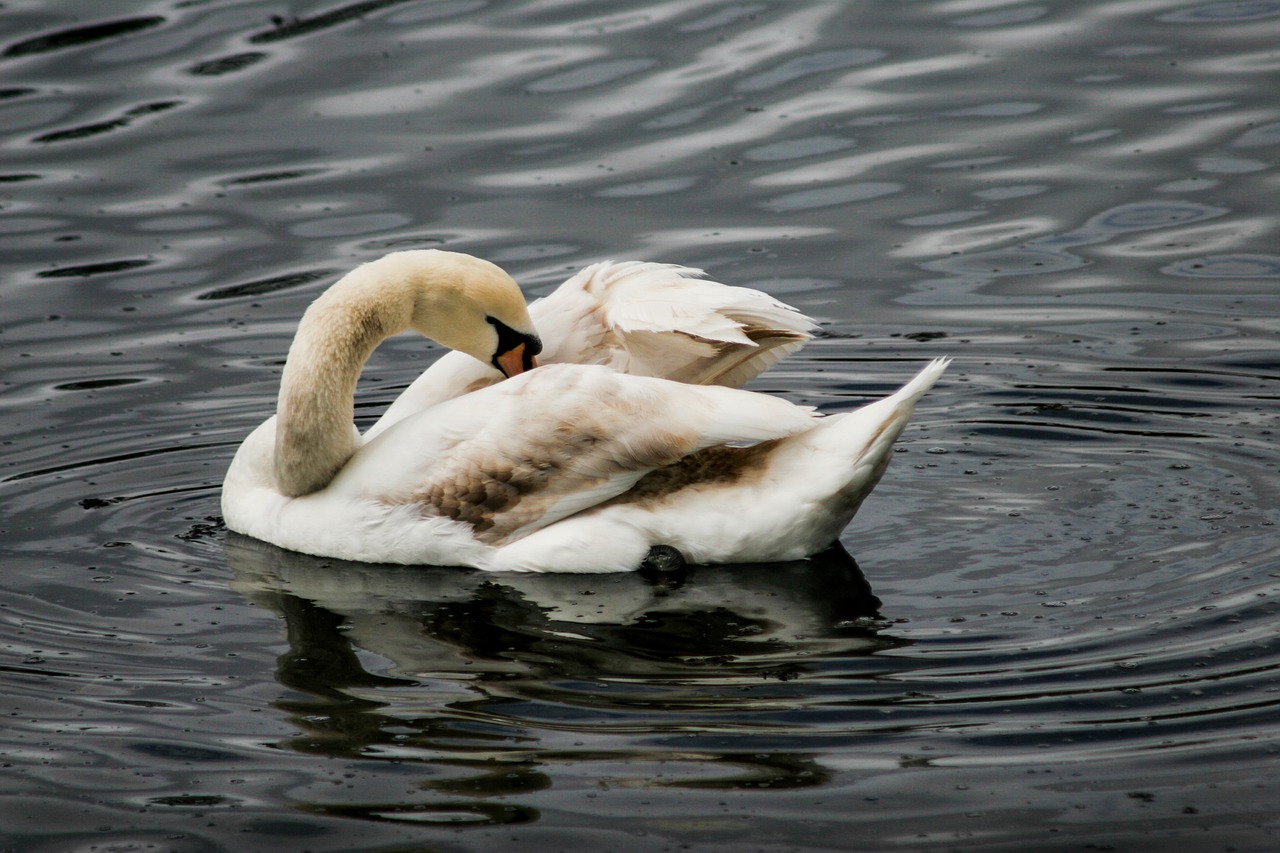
(516, 360)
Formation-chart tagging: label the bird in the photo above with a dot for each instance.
(615, 442)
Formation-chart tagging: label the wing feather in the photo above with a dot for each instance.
(525, 453)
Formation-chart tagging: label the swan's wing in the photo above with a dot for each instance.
(664, 320)
(525, 453)
(645, 319)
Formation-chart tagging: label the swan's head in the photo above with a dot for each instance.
(469, 305)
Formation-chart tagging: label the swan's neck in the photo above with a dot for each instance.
(315, 412)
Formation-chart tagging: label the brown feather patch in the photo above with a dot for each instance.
(713, 466)
(499, 486)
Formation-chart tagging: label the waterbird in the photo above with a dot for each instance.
(592, 431)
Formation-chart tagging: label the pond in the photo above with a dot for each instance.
(1053, 625)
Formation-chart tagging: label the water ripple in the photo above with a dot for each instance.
(127, 119)
(1231, 12)
(228, 64)
(1227, 266)
(295, 27)
(77, 36)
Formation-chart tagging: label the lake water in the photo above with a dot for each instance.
(1055, 628)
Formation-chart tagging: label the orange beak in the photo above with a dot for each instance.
(514, 361)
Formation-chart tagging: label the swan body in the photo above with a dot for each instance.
(583, 465)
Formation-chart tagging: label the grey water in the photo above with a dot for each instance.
(1052, 627)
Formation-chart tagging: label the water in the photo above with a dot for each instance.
(1059, 631)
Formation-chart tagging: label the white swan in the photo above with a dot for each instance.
(567, 467)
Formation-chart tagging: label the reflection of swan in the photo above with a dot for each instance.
(564, 468)
(518, 634)
(485, 679)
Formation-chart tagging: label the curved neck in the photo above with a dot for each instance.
(315, 412)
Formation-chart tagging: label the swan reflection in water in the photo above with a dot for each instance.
(491, 680)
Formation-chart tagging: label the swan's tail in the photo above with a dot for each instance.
(868, 433)
(903, 401)
(852, 450)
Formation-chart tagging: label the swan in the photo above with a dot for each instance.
(558, 467)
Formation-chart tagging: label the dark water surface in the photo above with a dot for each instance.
(1060, 630)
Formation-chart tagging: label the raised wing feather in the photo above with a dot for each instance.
(665, 320)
